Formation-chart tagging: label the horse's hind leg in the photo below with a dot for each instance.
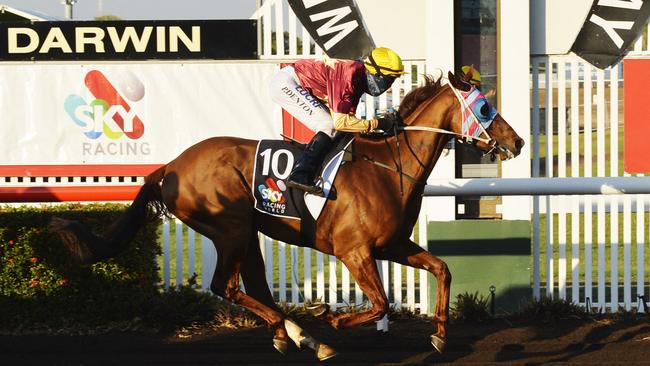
(225, 283)
(411, 254)
(232, 243)
(253, 275)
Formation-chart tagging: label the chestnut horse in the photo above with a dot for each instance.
(208, 187)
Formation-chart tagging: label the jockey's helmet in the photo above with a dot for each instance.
(384, 61)
(383, 66)
(476, 76)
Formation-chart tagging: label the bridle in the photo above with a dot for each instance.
(472, 131)
(472, 128)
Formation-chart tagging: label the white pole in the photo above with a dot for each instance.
(538, 186)
(68, 8)
(439, 36)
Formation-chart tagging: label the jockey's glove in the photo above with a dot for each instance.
(388, 121)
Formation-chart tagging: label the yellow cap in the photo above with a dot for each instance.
(384, 61)
(475, 75)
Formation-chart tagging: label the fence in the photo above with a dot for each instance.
(276, 17)
(294, 275)
(289, 269)
(581, 244)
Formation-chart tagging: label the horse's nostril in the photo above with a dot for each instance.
(519, 144)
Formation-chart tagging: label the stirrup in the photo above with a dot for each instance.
(318, 188)
(315, 189)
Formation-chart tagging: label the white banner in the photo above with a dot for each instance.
(131, 113)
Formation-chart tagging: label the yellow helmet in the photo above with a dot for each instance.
(471, 75)
(384, 61)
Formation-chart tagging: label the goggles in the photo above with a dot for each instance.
(477, 112)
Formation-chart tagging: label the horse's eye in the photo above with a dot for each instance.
(485, 110)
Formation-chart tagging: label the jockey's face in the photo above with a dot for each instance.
(378, 84)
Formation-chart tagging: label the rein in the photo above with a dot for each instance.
(440, 130)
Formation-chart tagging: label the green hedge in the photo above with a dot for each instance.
(39, 284)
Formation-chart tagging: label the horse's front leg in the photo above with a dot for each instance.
(363, 268)
(411, 254)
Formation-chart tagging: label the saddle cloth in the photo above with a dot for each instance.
(274, 160)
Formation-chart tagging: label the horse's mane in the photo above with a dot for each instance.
(418, 95)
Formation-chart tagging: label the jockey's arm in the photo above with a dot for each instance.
(348, 122)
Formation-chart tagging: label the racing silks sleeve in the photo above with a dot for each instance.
(348, 122)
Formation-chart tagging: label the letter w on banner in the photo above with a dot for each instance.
(336, 26)
(609, 30)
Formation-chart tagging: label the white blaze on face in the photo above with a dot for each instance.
(130, 86)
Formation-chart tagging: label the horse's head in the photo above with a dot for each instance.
(480, 123)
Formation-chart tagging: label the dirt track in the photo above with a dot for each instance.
(496, 342)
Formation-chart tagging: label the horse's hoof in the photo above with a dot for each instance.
(317, 309)
(325, 352)
(281, 345)
(438, 343)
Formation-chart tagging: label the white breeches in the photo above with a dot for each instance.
(285, 90)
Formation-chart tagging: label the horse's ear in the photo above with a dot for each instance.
(457, 82)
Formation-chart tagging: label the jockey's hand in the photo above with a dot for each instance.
(389, 121)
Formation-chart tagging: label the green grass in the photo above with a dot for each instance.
(605, 244)
(593, 157)
(173, 257)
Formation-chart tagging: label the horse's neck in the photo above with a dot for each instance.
(425, 147)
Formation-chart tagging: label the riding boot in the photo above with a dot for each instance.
(303, 174)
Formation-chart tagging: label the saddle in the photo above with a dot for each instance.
(274, 160)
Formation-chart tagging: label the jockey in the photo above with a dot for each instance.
(323, 94)
(474, 75)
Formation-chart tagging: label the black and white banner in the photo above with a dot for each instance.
(336, 26)
(128, 40)
(610, 29)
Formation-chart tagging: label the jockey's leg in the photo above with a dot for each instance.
(304, 171)
(287, 92)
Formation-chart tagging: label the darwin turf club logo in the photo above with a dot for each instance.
(109, 115)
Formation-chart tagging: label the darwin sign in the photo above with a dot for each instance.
(128, 40)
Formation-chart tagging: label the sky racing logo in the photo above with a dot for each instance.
(109, 115)
(273, 200)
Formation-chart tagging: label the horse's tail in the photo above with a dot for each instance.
(88, 248)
